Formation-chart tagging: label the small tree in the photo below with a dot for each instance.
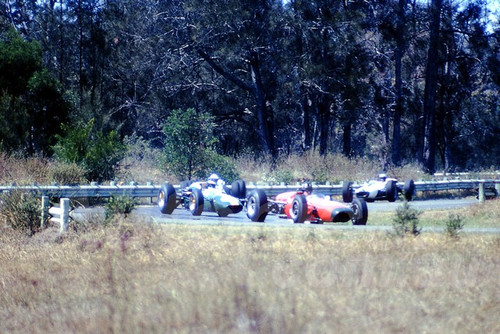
(190, 144)
(95, 151)
(406, 220)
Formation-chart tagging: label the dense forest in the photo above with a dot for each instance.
(398, 81)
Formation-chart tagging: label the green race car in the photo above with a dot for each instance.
(210, 196)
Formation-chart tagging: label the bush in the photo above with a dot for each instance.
(67, 174)
(223, 166)
(96, 152)
(21, 211)
(190, 147)
(406, 221)
(454, 225)
(119, 205)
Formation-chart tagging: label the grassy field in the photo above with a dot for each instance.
(132, 277)
(482, 215)
(128, 276)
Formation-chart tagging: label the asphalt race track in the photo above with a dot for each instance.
(181, 216)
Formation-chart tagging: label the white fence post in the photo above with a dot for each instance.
(61, 214)
(481, 195)
(64, 214)
(45, 210)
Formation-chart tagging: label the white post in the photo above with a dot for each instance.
(481, 192)
(64, 214)
(45, 210)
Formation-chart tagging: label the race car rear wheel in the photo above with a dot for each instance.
(391, 191)
(298, 211)
(238, 189)
(167, 199)
(196, 202)
(243, 189)
(257, 206)
(409, 189)
(347, 192)
(360, 211)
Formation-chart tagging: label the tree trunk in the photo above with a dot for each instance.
(324, 122)
(264, 114)
(398, 56)
(430, 89)
(346, 149)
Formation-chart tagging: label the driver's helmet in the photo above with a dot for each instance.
(212, 180)
(382, 176)
(307, 187)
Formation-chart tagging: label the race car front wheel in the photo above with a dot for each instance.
(196, 202)
(257, 206)
(167, 199)
(347, 194)
(409, 189)
(298, 211)
(360, 209)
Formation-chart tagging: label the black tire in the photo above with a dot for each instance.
(257, 206)
(391, 191)
(298, 211)
(196, 202)
(167, 199)
(409, 190)
(223, 213)
(235, 189)
(347, 192)
(360, 209)
(243, 189)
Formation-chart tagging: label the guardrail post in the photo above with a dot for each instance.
(64, 214)
(45, 210)
(481, 195)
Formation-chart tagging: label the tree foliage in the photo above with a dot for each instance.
(190, 146)
(98, 153)
(394, 80)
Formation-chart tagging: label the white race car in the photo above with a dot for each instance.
(382, 189)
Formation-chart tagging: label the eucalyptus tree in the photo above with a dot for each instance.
(333, 67)
(237, 41)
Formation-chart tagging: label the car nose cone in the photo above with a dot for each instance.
(342, 215)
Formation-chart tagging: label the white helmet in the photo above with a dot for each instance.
(213, 177)
(212, 180)
(382, 176)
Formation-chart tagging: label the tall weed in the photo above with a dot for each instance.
(21, 211)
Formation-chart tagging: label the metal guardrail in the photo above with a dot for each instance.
(149, 190)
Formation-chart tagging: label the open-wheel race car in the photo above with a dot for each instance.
(197, 197)
(302, 205)
(383, 188)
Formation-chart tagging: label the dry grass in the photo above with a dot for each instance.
(133, 277)
(23, 171)
(485, 214)
(334, 168)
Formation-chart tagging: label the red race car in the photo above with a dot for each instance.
(302, 205)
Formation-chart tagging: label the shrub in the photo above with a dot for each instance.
(223, 166)
(21, 211)
(406, 221)
(67, 173)
(454, 225)
(119, 205)
(190, 147)
(96, 152)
